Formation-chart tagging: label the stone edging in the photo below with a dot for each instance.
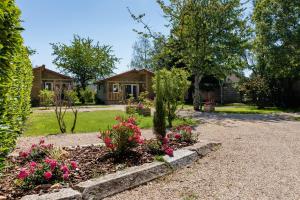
(110, 184)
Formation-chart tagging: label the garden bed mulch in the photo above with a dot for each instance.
(93, 161)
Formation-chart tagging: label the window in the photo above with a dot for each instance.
(116, 88)
(48, 86)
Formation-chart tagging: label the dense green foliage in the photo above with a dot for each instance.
(277, 47)
(46, 97)
(256, 90)
(88, 95)
(84, 60)
(15, 77)
(173, 87)
(159, 122)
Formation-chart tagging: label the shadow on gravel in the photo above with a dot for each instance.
(228, 119)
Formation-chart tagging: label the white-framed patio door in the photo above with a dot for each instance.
(131, 89)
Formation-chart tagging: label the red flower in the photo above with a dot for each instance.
(23, 154)
(48, 175)
(74, 164)
(177, 136)
(169, 151)
(107, 141)
(23, 174)
(66, 176)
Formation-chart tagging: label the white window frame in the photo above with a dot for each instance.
(51, 83)
(118, 88)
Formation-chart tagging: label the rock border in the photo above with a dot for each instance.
(99, 188)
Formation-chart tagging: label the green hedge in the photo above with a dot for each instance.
(15, 77)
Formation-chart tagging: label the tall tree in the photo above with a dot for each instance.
(211, 33)
(277, 44)
(142, 54)
(84, 60)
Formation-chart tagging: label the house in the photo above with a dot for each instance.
(44, 78)
(116, 89)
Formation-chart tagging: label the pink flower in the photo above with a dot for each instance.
(74, 164)
(48, 160)
(48, 175)
(65, 169)
(32, 164)
(165, 140)
(23, 174)
(33, 146)
(140, 140)
(177, 136)
(169, 151)
(53, 164)
(66, 176)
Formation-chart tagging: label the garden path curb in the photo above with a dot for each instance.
(99, 188)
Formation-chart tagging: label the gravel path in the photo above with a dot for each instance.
(259, 159)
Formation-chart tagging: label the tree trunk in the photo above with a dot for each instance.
(221, 84)
(197, 96)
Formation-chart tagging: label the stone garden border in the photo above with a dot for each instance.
(99, 188)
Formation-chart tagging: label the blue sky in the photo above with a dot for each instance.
(106, 21)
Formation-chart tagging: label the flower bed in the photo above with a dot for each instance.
(44, 168)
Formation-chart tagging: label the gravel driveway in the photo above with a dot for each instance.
(259, 159)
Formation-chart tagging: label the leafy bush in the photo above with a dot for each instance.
(160, 147)
(46, 171)
(182, 134)
(15, 77)
(41, 167)
(173, 85)
(72, 96)
(256, 88)
(47, 98)
(87, 95)
(123, 136)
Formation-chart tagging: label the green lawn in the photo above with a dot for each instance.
(45, 123)
(247, 109)
(240, 108)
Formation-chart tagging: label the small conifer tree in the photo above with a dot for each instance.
(159, 120)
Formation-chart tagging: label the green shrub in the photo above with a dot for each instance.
(72, 96)
(46, 97)
(87, 95)
(159, 122)
(122, 136)
(15, 77)
(173, 85)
